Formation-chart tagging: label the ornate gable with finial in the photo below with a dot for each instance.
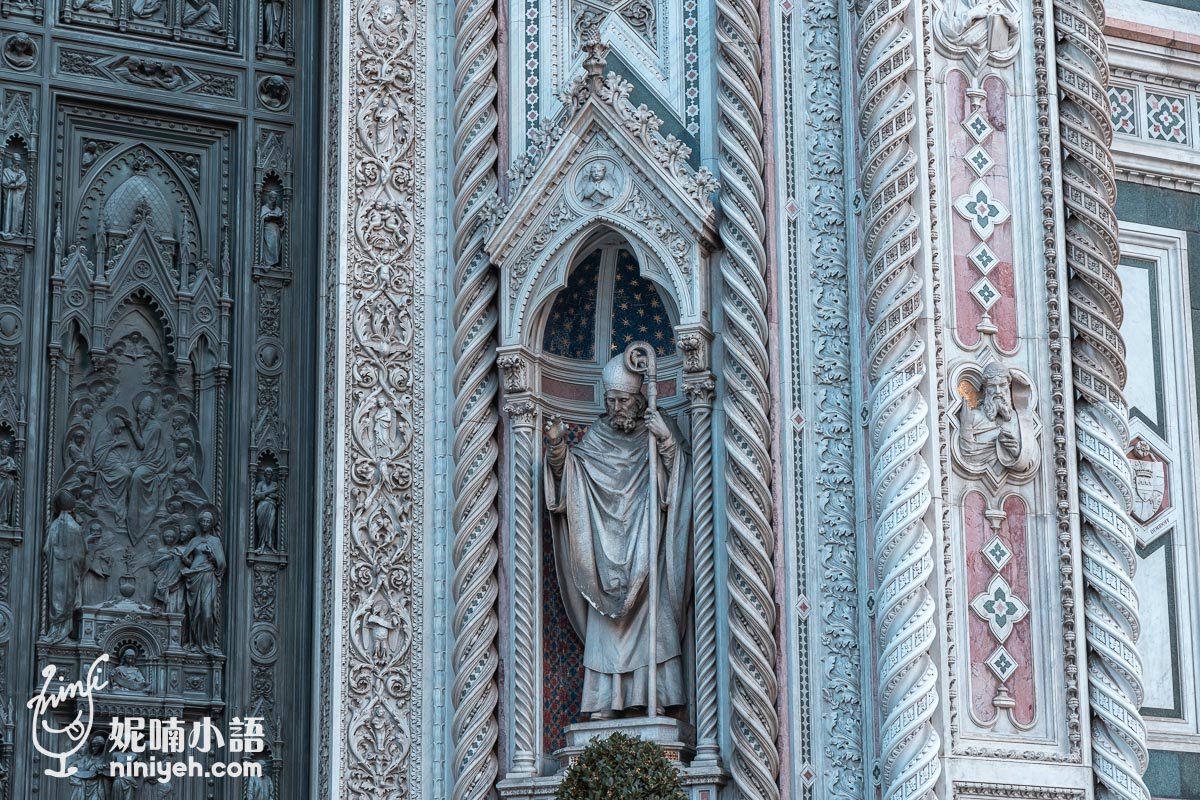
(603, 164)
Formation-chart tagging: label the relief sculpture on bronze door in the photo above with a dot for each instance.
(156, 358)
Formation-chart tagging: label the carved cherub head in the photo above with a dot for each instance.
(170, 537)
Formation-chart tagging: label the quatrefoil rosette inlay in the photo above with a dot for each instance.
(1000, 608)
(980, 207)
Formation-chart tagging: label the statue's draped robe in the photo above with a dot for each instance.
(147, 481)
(66, 557)
(982, 445)
(600, 519)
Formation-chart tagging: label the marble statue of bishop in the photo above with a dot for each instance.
(598, 494)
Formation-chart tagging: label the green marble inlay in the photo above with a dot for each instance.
(1173, 776)
(1168, 208)
(1190, 5)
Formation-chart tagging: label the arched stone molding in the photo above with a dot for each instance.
(604, 172)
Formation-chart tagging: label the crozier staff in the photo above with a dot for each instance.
(607, 518)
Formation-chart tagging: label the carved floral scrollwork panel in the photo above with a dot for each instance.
(382, 485)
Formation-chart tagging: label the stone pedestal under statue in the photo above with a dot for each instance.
(673, 736)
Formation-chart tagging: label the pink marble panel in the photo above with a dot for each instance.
(967, 312)
(569, 391)
(1013, 532)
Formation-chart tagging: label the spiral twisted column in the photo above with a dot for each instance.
(699, 390)
(898, 428)
(751, 578)
(1101, 416)
(475, 553)
(522, 415)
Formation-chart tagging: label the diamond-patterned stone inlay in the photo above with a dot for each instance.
(792, 208)
(803, 607)
(1000, 607)
(980, 160)
(997, 553)
(1167, 118)
(981, 208)
(983, 258)
(808, 775)
(977, 125)
(1002, 663)
(1123, 102)
(985, 293)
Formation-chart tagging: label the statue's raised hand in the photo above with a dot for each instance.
(555, 430)
(654, 422)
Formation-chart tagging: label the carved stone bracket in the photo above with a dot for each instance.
(516, 367)
(980, 32)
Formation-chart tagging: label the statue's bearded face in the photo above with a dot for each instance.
(625, 409)
(997, 400)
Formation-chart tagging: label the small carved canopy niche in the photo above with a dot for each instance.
(605, 207)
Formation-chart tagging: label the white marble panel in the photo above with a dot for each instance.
(1154, 585)
(1141, 390)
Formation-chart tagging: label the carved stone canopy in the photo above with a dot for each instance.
(605, 167)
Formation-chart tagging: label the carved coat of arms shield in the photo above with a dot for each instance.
(1149, 485)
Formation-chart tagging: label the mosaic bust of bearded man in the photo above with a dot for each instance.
(598, 495)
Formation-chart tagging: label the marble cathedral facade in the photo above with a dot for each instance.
(290, 291)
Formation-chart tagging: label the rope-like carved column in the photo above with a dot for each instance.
(475, 588)
(522, 414)
(1101, 417)
(898, 428)
(699, 386)
(755, 722)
